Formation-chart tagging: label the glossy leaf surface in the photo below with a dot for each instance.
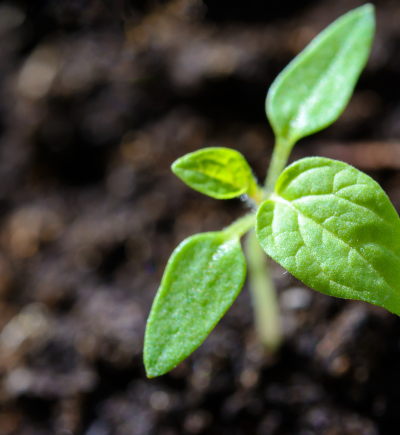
(313, 90)
(335, 229)
(221, 173)
(202, 279)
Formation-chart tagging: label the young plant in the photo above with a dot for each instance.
(328, 224)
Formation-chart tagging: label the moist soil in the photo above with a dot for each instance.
(98, 98)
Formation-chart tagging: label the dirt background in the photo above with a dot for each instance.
(98, 98)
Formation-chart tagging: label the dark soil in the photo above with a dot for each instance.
(98, 98)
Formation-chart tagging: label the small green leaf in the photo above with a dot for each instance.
(221, 173)
(313, 90)
(202, 279)
(334, 228)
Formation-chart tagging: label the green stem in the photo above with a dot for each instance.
(265, 303)
(279, 160)
(266, 309)
(241, 226)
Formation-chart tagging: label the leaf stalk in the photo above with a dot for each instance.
(241, 226)
(280, 157)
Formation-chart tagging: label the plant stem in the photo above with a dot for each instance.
(265, 304)
(240, 227)
(279, 160)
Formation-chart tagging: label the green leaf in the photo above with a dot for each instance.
(221, 173)
(313, 90)
(335, 229)
(202, 279)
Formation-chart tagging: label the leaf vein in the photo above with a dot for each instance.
(351, 202)
(290, 205)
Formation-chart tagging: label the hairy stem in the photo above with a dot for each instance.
(279, 160)
(241, 226)
(265, 304)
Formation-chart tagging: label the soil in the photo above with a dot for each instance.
(98, 98)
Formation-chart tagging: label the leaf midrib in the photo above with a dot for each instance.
(319, 83)
(351, 202)
(285, 187)
(283, 201)
(219, 179)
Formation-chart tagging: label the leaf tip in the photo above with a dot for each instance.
(368, 8)
(366, 13)
(152, 370)
(155, 369)
(150, 374)
(175, 166)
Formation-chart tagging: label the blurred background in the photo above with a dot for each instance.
(98, 98)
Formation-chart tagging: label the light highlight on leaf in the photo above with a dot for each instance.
(221, 173)
(334, 228)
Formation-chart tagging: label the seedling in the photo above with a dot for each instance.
(328, 224)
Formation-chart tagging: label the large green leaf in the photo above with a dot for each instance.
(222, 173)
(335, 229)
(202, 279)
(313, 90)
